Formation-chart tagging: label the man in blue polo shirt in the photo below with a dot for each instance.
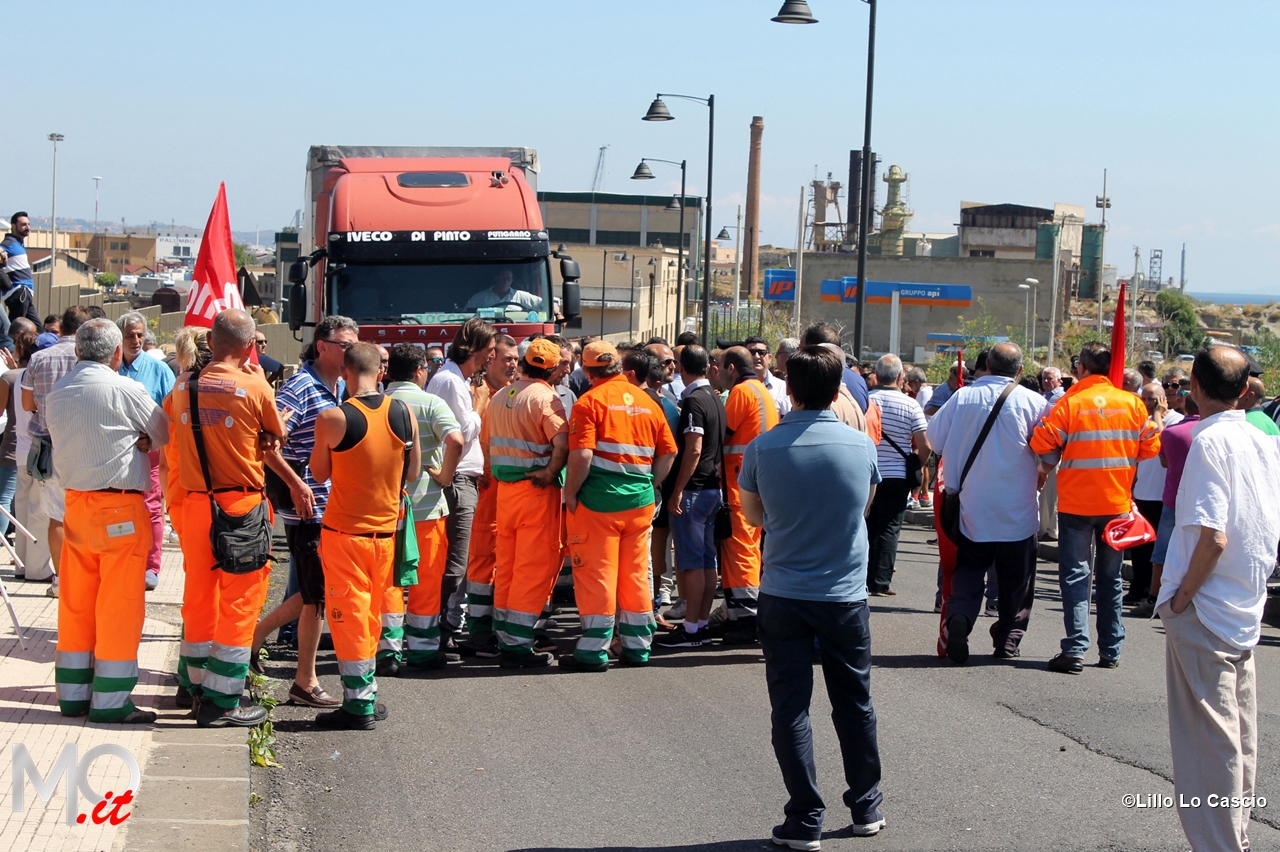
(814, 585)
(158, 379)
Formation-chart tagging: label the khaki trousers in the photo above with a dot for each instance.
(1049, 506)
(1213, 730)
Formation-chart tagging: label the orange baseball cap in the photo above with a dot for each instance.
(601, 353)
(542, 353)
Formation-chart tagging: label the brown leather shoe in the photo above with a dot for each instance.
(315, 698)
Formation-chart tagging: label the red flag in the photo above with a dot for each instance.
(1117, 343)
(214, 286)
(960, 367)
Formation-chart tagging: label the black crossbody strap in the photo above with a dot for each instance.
(193, 393)
(986, 430)
(894, 444)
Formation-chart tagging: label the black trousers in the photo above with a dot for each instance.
(1015, 564)
(884, 524)
(1140, 556)
(787, 628)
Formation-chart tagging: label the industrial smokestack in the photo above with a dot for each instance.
(751, 225)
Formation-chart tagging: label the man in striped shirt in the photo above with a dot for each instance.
(315, 388)
(440, 440)
(901, 422)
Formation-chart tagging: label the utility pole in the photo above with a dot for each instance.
(1104, 202)
(55, 138)
(1182, 276)
(799, 260)
(737, 269)
(1133, 314)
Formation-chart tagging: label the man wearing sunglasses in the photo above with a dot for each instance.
(1176, 386)
(273, 368)
(761, 361)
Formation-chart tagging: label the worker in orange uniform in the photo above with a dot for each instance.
(749, 412)
(481, 551)
(619, 446)
(440, 445)
(219, 609)
(1095, 435)
(104, 424)
(526, 443)
(368, 449)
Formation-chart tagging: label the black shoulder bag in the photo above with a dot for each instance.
(241, 543)
(950, 511)
(915, 478)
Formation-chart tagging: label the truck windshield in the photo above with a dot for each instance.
(443, 292)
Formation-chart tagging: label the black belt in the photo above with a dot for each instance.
(119, 491)
(237, 489)
(359, 535)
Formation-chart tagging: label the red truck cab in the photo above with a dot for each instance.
(412, 247)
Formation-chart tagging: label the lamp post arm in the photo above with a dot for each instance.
(704, 101)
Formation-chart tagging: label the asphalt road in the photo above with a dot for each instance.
(676, 757)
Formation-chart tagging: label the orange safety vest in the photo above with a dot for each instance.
(1101, 433)
(750, 411)
(366, 477)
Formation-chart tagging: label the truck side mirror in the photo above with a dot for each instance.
(571, 297)
(297, 299)
(298, 272)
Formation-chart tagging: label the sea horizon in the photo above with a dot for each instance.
(1235, 298)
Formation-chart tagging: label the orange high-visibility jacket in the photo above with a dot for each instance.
(1100, 433)
(749, 412)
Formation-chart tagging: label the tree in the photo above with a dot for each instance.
(107, 279)
(1269, 357)
(243, 256)
(1181, 331)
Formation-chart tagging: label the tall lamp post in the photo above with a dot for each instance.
(797, 12)
(55, 138)
(643, 172)
(1026, 311)
(1035, 296)
(97, 179)
(737, 262)
(658, 112)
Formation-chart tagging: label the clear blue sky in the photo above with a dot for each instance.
(987, 100)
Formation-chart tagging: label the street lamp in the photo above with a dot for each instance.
(658, 112)
(55, 138)
(643, 172)
(1035, 296)
(1026, 319)
(737, 262)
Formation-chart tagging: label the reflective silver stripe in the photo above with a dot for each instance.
(518, 461)
(231, 653)
(636, 642)
(195, 674)
(389, 644)
(116, 668)
(109, 700)
(73, 659)
(222, 683)
(364, 693)
(422, 643)
(355, 668)
(74, 691)
(195, 649)
(593, 643)
(517, 444)
(734, 449)
(625, 449)
(479, 610)
(620, 467)
(764, 412)
(745, 592)
(1062, 436)
(1097, 464)
(523, 618)
(640, 618)
(1106, 435)
(595, 622)
(421, 622)
(475, 588)
(393, 619)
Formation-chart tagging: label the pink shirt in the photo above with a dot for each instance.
(1175, 443)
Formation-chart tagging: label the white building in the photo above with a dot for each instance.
(177, 245)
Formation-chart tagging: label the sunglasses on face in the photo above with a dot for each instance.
(435, 360)
(759, 353)
(1170, 385)
(667, 361)
(343, 346)
(260, 342)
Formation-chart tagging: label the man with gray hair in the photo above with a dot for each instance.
(158, 379)
(786, 346)
(1132, 381)
(104, 425)
(901, 423)
(1051, 384)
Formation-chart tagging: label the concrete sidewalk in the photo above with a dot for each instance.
(194, 782)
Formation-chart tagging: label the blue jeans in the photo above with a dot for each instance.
(1080, 544)
(694, 530)
(8, 487)
(787, 630)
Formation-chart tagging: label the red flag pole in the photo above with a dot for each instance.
(1116, 374)
(214, 285)
(960, 367)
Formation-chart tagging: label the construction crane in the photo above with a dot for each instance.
(595, 184)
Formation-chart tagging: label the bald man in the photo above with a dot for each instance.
(1255, 395)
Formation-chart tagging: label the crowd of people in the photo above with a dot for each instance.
(432, 496)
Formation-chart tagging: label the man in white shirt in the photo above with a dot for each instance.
(470, 352)
(1211, 600)
(502, 295)
(998, 509)
(761, 361)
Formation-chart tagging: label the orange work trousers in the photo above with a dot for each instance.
(528, 560)
(357, 575)
(422, 621)
(219, 610)
(100, 603)
(481, 559)
(740, 559)
(611, 581)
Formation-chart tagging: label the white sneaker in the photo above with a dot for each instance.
(677, 612)
(52, 591)
(867, 829)
(153, 580)
(913, 503)
(170, 535)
